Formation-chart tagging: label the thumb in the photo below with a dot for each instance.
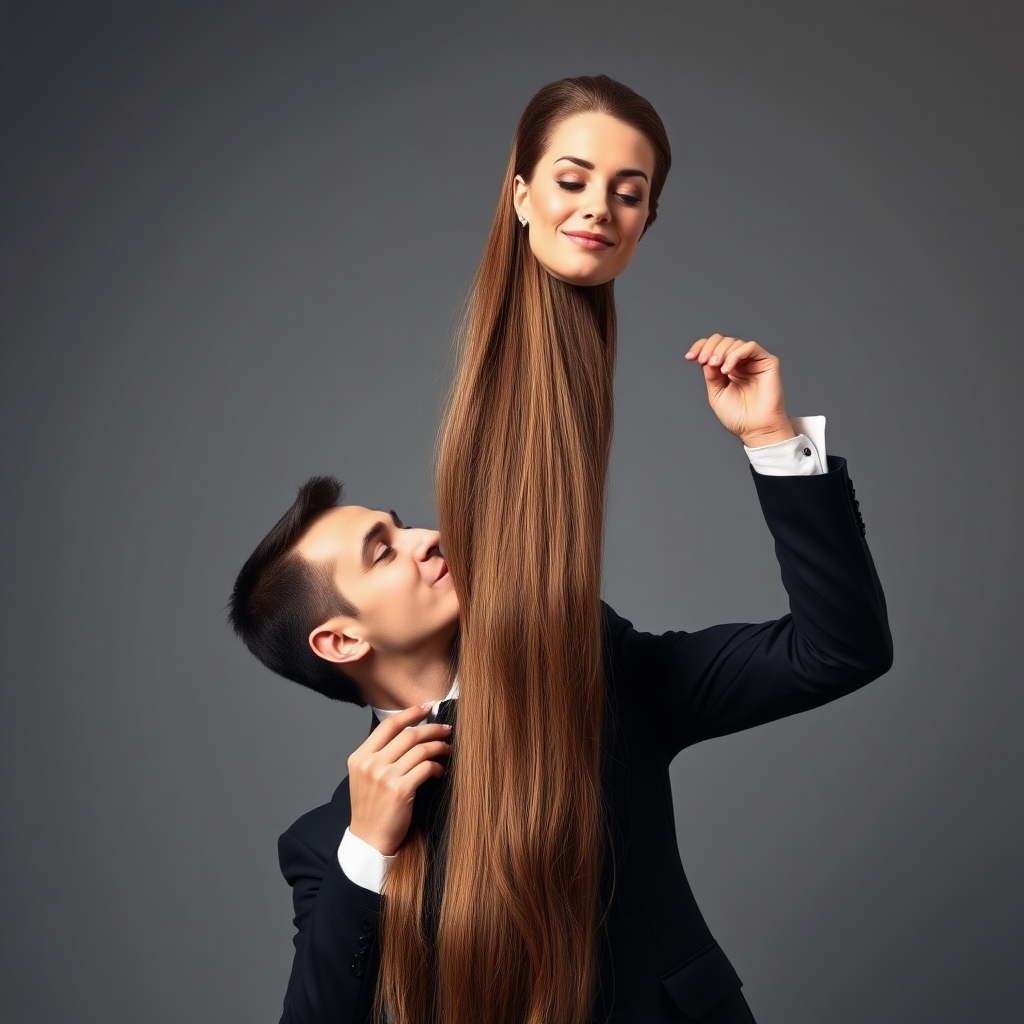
(716, 381)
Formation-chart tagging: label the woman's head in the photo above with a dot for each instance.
(589, 159)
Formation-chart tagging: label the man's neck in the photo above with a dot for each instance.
(430, 710)
(400, 683)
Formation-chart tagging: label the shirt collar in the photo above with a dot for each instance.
(452, 693)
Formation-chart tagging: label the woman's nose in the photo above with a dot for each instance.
(598, 211)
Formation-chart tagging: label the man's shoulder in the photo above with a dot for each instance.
(322, 827)
(618, 642)
(614, 624)
(630, 652)
(618, 633)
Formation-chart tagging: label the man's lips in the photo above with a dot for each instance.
(443, 572)
(590, 239)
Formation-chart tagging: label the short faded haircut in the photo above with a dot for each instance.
(280, 597)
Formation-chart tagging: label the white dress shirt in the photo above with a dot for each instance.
(803, 455)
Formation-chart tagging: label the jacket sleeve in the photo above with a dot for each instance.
(334, 970)
(835, 639)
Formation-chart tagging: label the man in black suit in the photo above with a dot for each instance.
(350, 602)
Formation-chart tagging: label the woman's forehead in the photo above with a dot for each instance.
(600, 138)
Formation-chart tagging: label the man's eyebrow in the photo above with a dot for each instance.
(626, 172)
(375, 531)
(368, 538)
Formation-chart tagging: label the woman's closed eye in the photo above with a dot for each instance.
(629, 198)
(386, 554)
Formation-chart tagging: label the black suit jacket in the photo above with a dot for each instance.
(660, 962)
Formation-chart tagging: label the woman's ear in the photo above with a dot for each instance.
(521, 199)
(334, 642)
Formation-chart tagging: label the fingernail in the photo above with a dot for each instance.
(426, 705)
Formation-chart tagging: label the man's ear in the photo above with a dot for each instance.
(521, 197)
(335, 641)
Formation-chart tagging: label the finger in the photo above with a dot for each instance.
(393, 725)
(707, 347)
(695, 349)
(412, 737)
(423, 771)
(715, 380)
(718, 353)
(738, 353)
(422, 752)
(747, 354)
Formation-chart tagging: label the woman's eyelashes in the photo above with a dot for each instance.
(629, 198)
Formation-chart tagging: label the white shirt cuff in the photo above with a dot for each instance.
(803, 455)
(363, 863)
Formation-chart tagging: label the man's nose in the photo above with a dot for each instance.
(425, 544)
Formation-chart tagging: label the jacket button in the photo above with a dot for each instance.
(807, 451)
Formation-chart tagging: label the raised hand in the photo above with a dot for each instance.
(744, 388)
(385, 772)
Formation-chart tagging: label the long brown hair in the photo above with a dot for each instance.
(523, 456)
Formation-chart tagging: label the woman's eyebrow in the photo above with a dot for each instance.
(576, 160)
(626, 172)
(394, 518)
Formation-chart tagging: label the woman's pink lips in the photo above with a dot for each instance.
(443, 572)
(589, 240)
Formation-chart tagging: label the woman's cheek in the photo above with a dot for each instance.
(555, 209)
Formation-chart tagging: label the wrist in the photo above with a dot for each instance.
(381, 845)
(768, 435)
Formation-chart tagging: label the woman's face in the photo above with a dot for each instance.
(586, 204)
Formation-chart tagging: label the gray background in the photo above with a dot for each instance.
(235, 238)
